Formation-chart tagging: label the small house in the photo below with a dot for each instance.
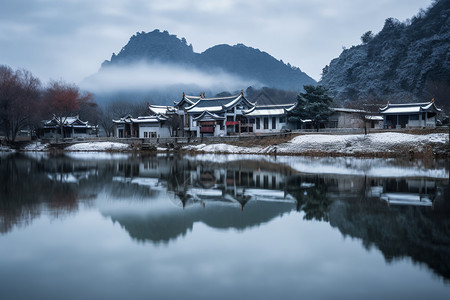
(142, 127)
(72, 127)
(346, 118)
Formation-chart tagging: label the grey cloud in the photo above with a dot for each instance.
(70, 39)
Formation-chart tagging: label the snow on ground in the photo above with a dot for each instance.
(36, 146)
(348, 144)
(388, 142)
(98, 146)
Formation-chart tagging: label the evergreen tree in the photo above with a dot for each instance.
(367, 37)
(314, 104)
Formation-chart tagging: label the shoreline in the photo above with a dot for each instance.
(373, 145)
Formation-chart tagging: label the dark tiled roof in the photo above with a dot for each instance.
(207, 102)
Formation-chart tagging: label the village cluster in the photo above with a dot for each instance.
(198, 116)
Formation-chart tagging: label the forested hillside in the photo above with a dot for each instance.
(404, 62)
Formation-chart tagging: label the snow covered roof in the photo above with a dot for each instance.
(150, 119)
(73, 121)
(270, 110)
(347, 110)
(145, 119)
(189, 100)
(160, 109)
(218, 104)
(123, 120)
(207, 116)
(373, 118)
(409, 108)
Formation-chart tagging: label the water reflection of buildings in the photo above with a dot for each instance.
(240, 181)
(238, 195)
(241, 193)
(194, 183)
(235, 184)
(404, 191)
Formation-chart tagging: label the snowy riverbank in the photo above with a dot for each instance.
(85, 147)
(376, 144)
(387, 144)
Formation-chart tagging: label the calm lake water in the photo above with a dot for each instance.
(118, 226)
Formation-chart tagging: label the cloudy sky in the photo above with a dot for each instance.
(69, 39)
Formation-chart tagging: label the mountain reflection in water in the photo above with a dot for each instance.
(401, 208)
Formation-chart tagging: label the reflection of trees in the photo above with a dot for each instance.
(27, 184)
(399, 231)
(422, 233)
(316, 204)
(311, 195)
(63, 201)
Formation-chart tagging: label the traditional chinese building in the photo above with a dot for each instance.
(217, 116)
(142, 127)
(410, 115)
(72, 127)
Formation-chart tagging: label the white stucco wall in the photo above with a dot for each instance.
(278, 126)
(159, 132)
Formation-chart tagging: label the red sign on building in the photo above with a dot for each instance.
(230, 123)
(207, 129)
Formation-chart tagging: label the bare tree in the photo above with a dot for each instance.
(117, 109)
(19, 100)
(175, 123)
(63, 100)
(365, 109)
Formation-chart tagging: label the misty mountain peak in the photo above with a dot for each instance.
(153, 46)
(247, 63)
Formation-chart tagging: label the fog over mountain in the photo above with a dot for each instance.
(160, 66)
(405, 62)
